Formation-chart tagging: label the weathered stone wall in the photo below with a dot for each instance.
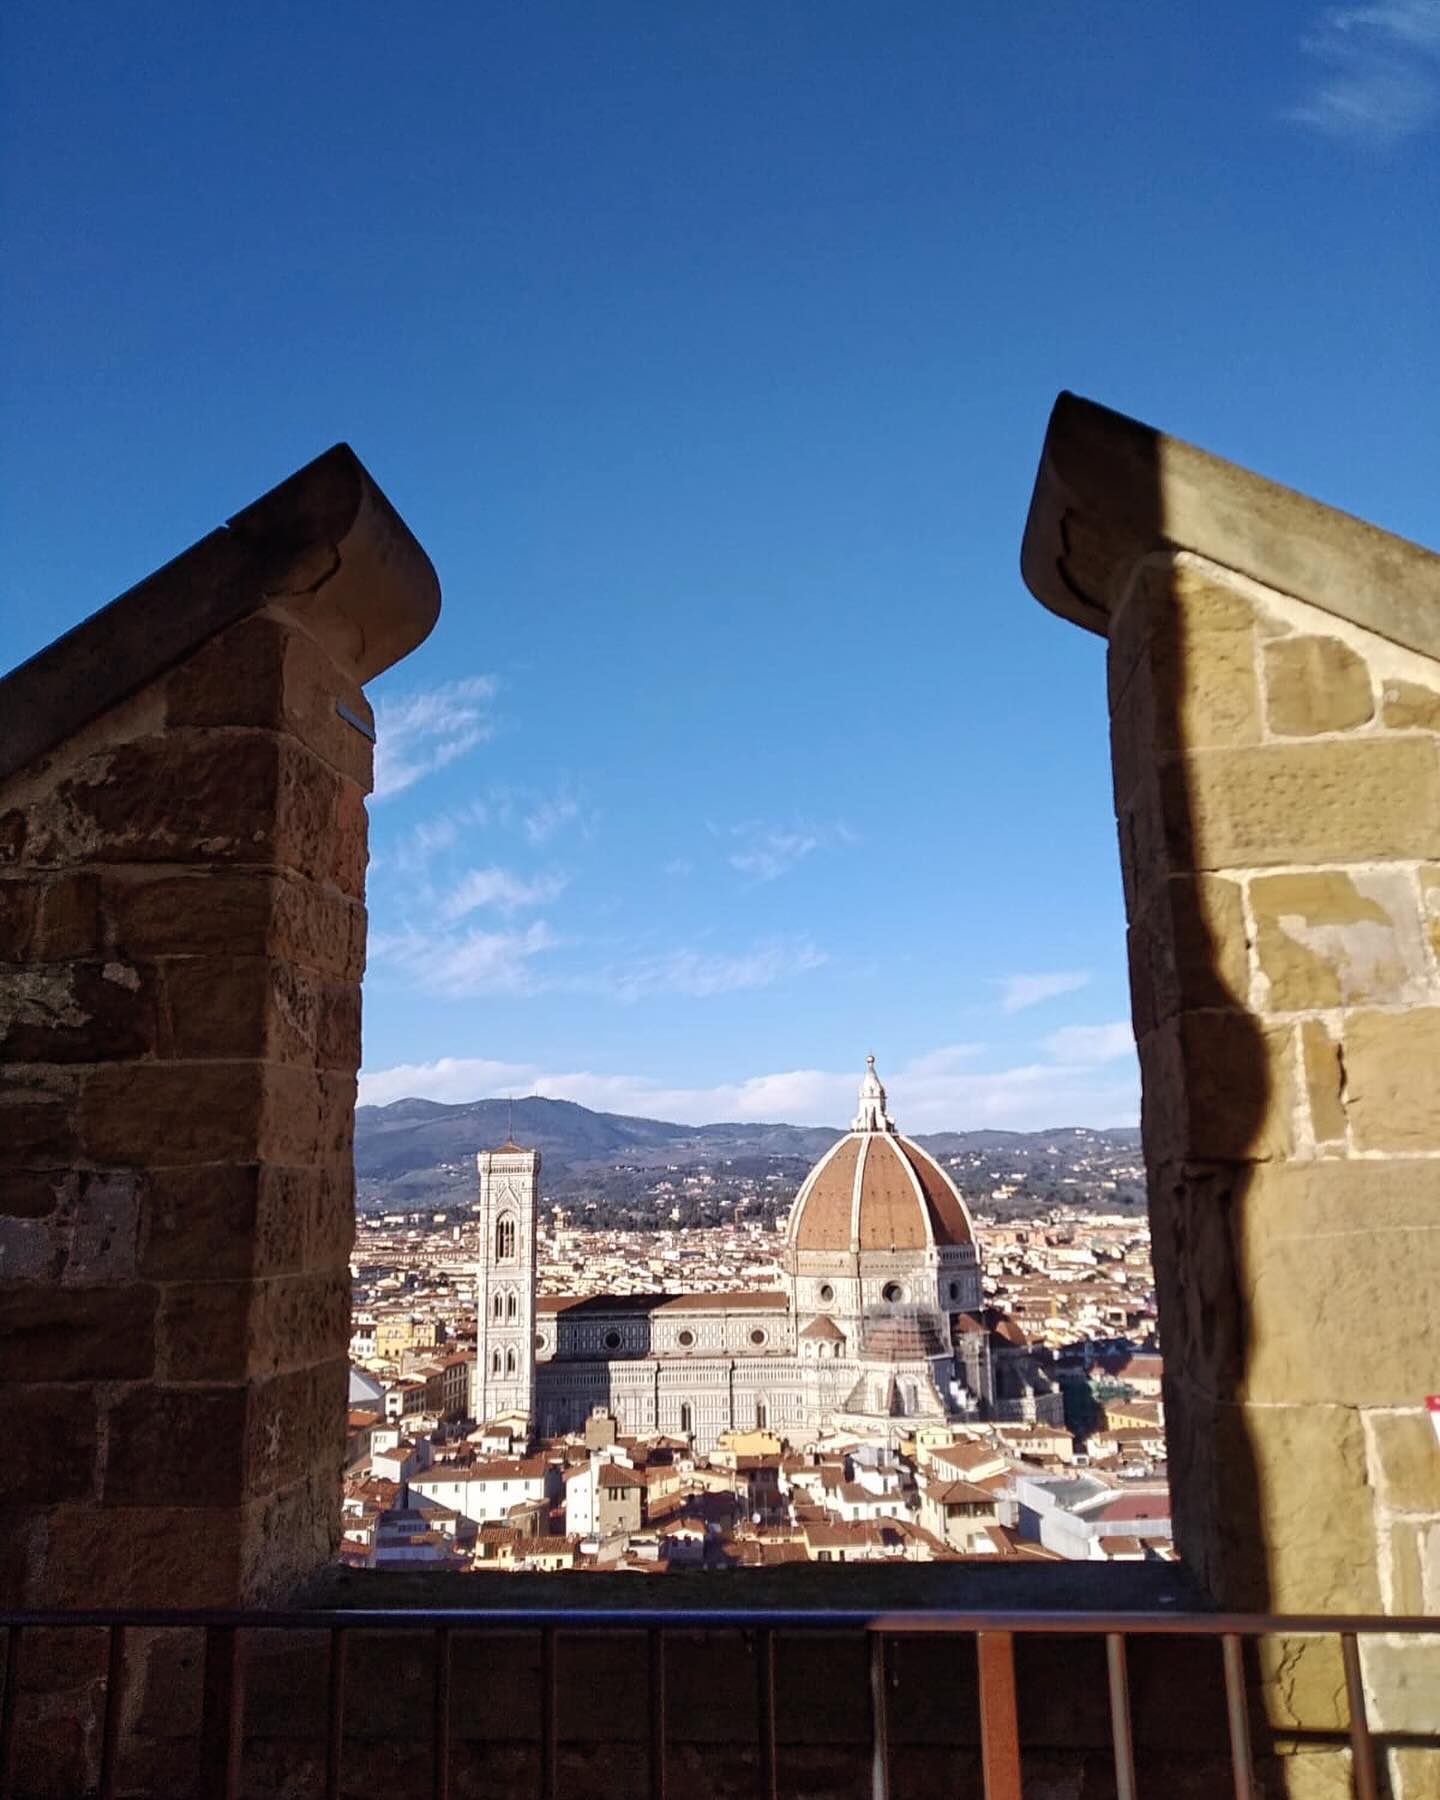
(181, 941)
(1277, 793)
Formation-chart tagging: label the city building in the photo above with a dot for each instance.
(879, 1324)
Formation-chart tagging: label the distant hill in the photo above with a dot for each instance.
(423, 1149)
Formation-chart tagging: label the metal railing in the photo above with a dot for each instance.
(223, 1711)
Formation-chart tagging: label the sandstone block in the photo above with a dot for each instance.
(1315, 684)
(1407, 706)
(1328, 1252)
(53, 1434)
(1188, 949)
(165, 1442)
(1338, 801)
(1404, 1460)
(1414, 1571)
(233, 912)
(1279, 1519)
(1394, 1103)
(77, 1334)
(1324, 1081)
(69, 920)
(1329, 937)
(32, 1249)
(1403, 1678)
(289, 1536)
(203, 1330)
(1430, 901)
(201, 797)
(77, 1012)
(19, 907)
(174, 1113)
(1191, 634)
(104, 1228)
(295, 1427)
(269, 673)
(152, 1555)
(1217, 1087)
(37, 1119)
(33, 1194)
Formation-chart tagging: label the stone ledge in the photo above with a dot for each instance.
(844, 1587)
(325, 546)
(1110, 491)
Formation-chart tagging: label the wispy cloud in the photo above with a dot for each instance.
(1381, 71)
(678, 866)
(1019, 991)
(700, 975)
(1082, 1046)
(543, 818)
(924, 1096)
(766, 852)
(500, 888)
(462, 964)
(415, 734)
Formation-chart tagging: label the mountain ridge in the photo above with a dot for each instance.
(413, 1143)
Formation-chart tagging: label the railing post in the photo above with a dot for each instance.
(335, 1712)
(1120, 1716)
(1362, 1747)
(765, 1710)
(657, 1714)
(879, 1716)
(8, 1698)
(1236, 1707)
(114, 1694)
(547, 1713)
(441, 1752)
(222, 1721)
(999, 1715)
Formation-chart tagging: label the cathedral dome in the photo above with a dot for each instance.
(876, 1190)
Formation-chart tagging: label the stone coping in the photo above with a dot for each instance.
(1110, 490)
(325, 546)
(845, 1587)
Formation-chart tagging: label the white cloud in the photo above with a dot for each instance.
(768, 851)
(699, 974)
(545, 817)
(506, 891)
(1382, 71)
(460, 964)
(1020, 991)
(415, 734)
(922, 1097)
(1084, 1045)
(678, 865)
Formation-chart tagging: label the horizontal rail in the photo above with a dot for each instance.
(508, 1618)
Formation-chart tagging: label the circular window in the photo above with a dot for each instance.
(892, 1291)
(954, 1290)
(612, 1340)
(539, 1341)
(757, 1336)
(687, 1338)
(827, 1293)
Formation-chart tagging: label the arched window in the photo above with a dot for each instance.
(762, 1415)
(510, 1306)
(687, 1419)
(505, 1238)
(495, 1363)
(509, 1362)
(498, 1308)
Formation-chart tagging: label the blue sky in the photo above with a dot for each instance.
(708, 350)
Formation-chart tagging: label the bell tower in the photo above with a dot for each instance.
(505, 1282)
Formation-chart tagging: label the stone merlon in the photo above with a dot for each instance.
(325, 546)
(1109, 490)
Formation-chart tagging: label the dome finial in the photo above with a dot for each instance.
(872, 1115)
